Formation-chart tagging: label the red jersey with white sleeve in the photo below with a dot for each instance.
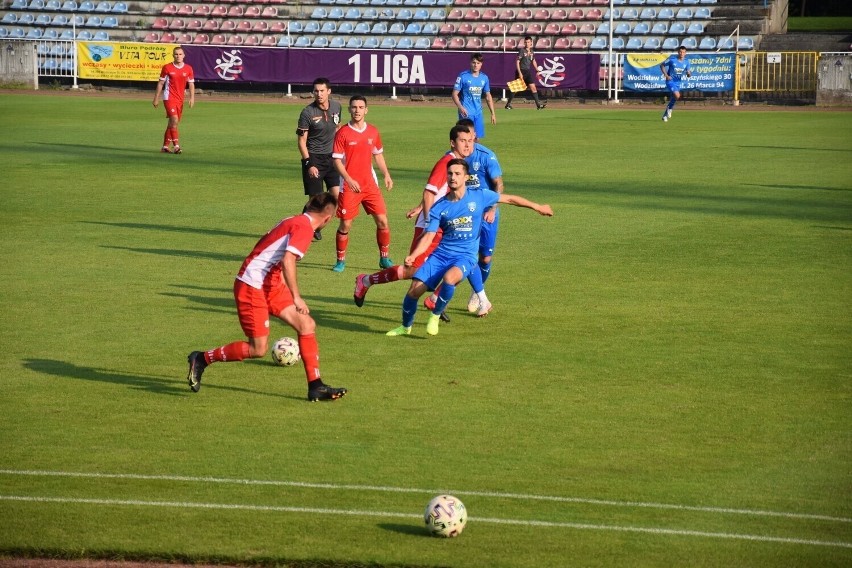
(436, 184)
(176, 78)
(356, 148)
(263, 265)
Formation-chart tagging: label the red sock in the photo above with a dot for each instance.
(383, 240)
(309, 349)
(391, 274)
(342, 243)
(175, 136)
(167, 137)
(437, 289)
(236, 351)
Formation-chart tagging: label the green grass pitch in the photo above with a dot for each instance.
(664, 380)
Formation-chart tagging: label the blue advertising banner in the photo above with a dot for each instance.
(381, 68)
(711, 72)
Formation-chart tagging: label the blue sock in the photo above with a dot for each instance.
(672, 102)
(475, 279)
(444, 297)
(409, 309)
(485, 267)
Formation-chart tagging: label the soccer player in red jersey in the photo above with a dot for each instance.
(462, 140)
(356, 145)
(174, 79)
(267, 285)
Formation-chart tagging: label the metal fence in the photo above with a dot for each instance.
(789, 74)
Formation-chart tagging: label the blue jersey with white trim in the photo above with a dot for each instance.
(461, 221)
(484, 168)
(675, 68)
(471, 88)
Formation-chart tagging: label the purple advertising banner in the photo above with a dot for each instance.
(381, 68)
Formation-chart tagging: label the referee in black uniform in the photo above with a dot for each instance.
(318, 123)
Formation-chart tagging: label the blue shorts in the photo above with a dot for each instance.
(438, 263)
(478, 123)
(488, 236)
(673, 86)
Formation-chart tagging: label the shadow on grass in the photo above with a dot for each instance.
(173, 228)
(180, 253)
(148, 383)
(412, 530)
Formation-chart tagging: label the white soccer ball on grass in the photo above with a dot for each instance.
(445, 516)
(285, 352)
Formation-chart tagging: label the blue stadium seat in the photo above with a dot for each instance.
(351, 14)
(66, 35)
(405, 43)
(36, 5)
(648, 14)
(328, 28)
(345, 28)
(295, 27)
(670, 44)
(617, 43)
(26, 19)
(19, 5)
(84, 35)
(388, 43)
(642, 28)
(284, 41)
(421, 14)
(42, 20)
(438, 15)
(69, 6)
(42, 49)
(101, 35)
(302, 41)
(660, 28)
(603, 29)
(50, 33)
(690, 43)
(86, 6)
(677, 28)
(393, 2)
(377, 2)
(622, 29)
(362, 28)
(411, 2)
(17, 33)
(110, 22)
(67, 66)
(52, 5)
(684, 14)
(633, 43)
(404, 14)
(413, 28)
(4, 32)
(76, 20)
(616, 14)
(371, 43)
(319, 13)
(320, 41)
(354, 43)
(665, 14)
(671, 2)
(337, 41)
(396, 28)
(34, 33)
(745, 43)
(337, 13)
(311, 28)
(725, 43)
(120, 8)
(430, 28)
(599, 43)
(94, 22)
(387, 14)
(707, 43)
(703, 14)
(10, 18)
(422, 43)
(630, 14)
(370, 14)
(103, 6)
(380, 28)
(651, 44)
(695, 28)
(58, 50)
(49, 65)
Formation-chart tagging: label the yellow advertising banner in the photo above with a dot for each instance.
(122, 61)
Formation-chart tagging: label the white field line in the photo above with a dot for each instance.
(388, 514)
(383, 489)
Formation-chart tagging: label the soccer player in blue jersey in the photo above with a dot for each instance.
(484, 173)
(675, 69)
(469, 88)
(459, 215)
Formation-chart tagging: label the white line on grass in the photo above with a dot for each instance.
(379, 488)
(388, 514)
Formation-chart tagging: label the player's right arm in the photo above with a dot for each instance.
(159, 91)
(423, 244)
(288, 265)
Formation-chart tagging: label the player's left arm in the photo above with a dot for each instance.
(380, 161)
(489, 100)
(191, 93)
(288, 265)
(491, 212)
(519, 201)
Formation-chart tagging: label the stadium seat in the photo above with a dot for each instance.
(506, 15)
(160, 24)
(586, 29)
(648, 14)
(599, 43)
(703, 14)
(617, 43)
(562, 43)
(201, 39)
(689, 2)
(491, 44)
(235, 12)
(235, 40)
(725, 43)
(551, 29)
(386, 14)
(388, 43)
(52, 5)
(110, 22)
(94, 21)
(319, 13)
(285, 41)
(18, 5)
(745, 43)
(579, 43)
(429, 28)
(218, 11)
(69, 6)
(651, 44)
(677, 28)
(499, 28)
(633, 43)
(320, 41)
(689, 43)
(421, 14)
(516, 29)
(354, 43)
(269, 12)
(228, 26)
(302, 41)
(86, 6)
(439, 43)
(541, 14)
(337, 13)
(202, 11)
(50, 33)
(362, 28)
(533, 29)
(665, 14)
(278, 27)
(175, 24)
(616, 15)
(49, 65)
(218, 39)
(396, 28)
(456, 43)
(345, 28)
(34, 33)
(570, 29)
(642, 28)
(36, 5)
(660, 28)
(26, 19)
(152, 37)
(684, 14)
(422, 43)
(464, 29)
(622, 28)
(670, 44)
(351, 14)
(695, 28)
(371, 43)
(510, 44)
(167, 37)
(708, 1)
(594, 14)
(311, 28)
(413, 28)
(575, 14)
(405, 43)
(10, 18)
(210, 26)
(630, 14)
(438, 15)
(328, 28)
(120, 8)
(379, 28)
(251, 12)
(473, 43)
(524, 15)
(558, 15)
(260, 27)
(707, 43)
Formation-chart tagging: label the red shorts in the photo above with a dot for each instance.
(173, 108)
(418, 232)
(348, 205)
(254, 306)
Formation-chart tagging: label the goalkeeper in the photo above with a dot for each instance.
(526, 68)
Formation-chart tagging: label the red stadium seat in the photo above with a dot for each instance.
(260, 26)
(541, 14)
(447, 29)
(582, 2)
(183, 38)
(587, 29)
(160, 24)
(594, 14)
(465, 29)
(185, 10)
(558, 15)
(218, 12)
(218, 39)
(194, 25)
(244, 26)
(506, 15)
(235, 11)
(579, 43)
(564, 2)
(228, 26)
(533, 29)
(439, 43)
(235, 40)
(473, 43)
(562, 43)
(202, 11)
(472, 14)
(499, 28)
(491, 43)
(152, 37)
(482, 29)
(543, 43)
(201, 39)
(167, 37)
(551, 29)
(270, 12)
(252, 40)
(169, 10)
(569, 29)
(489, 15)
(210, 26)
(252, 12)
(530, 2)
(278, 27)
(517, 29)
(575, 14)
(177, 24)
(269, 40)
(510, 44)
(455, 14)
(524, 15)
(456, 43)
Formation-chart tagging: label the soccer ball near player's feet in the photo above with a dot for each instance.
(285, 352)
(445, 516)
